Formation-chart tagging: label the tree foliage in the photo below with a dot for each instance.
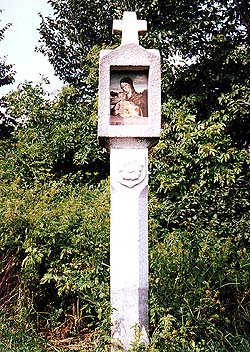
(6, 72)
(196, 28)
(54, 178)
(6, 77)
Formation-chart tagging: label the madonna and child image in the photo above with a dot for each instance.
(129, 102)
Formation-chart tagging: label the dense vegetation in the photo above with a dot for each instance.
(54, 211)
(6, 72)
(6, 77)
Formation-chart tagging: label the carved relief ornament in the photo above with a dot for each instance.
(131, 173)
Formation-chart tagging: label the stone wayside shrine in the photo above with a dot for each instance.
(129, 124)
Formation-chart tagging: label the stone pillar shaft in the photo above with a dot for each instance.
(129, 245)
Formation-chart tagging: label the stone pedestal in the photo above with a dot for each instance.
(129, 246)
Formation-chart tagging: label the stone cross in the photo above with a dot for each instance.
(130, 27)
(128, 134)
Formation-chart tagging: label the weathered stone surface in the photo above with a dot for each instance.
(133, 301)
(129, 245)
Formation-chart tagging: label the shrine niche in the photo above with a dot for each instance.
(128, 96)
(137, 116)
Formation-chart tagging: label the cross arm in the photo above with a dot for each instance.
(130, 27)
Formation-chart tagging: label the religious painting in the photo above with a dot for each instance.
(129, 96)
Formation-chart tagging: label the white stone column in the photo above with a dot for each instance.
(129, 245)
(128, 140)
